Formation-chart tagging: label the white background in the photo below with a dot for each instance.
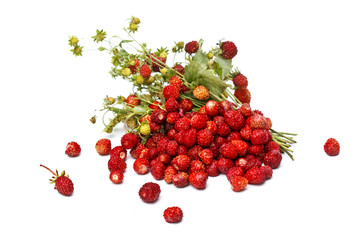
(302, 62)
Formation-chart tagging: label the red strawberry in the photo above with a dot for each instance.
(240, 81)
(212, 108)
(150, 192)
(181, 179)
(73, 149)
(182, 150)
(129, 140)
(192, 47)
(204, 137)
(116, 163)
(206, 156)
(245, 132)
(172, 105)
(229, 150)
(172, 148)
(211, 125)
(63, 183)
(169, 174)
(162, 144)
(176, 81)
(189, 137)
(201, 93)
(224, 130)
(173, 214)
(194, 152)
(103, 146)
(268, 171)
(180, 69)
(234, 171)
(241, 147)
(234, 136)
(158, 116)
(234, 119)
(332, 147)
(145, 71)
(224, 164)
(154, 105)
(248, 162)
(258, 121)
(225, 106)
(198, 179)
(273, 158)
(116, 176)
(197, 166)
(157, 170)
(255, 175)
(271, 146)
(171, 91)
(182, 124)
(256, 150)
(199, 121)
(229, 50)
(238, 183)
(259, 136)
(119, 151)
(245, 110)
(156, 62)
(243, 95)
(212, 169)
(134, 68)
(181, 162)
(186, 104)
(132, 100)
(141, 166)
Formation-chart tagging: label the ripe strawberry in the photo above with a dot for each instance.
(173, 214)
(154, 105)
(181, 162)
(219, 120)
(136, 151)
(241, 147)
(245, 132)
(201, 93)
(199, 121)
(273, 158)
(182, 150)
(158, 116)
(256, 150)
(119, 151)
(162, 144)
(190, 137)
(181, 179)
(268, 171)
(229, 150)
(245, 110)
(204, 137)
(268, 124)
(332, 147)
(271, 146)
(234, 171)
(154, 127)
(132, 100)
(141, 166)
(212, 108)
(176, 81)
(172, 148)
(129, 140)
(197, 166)
(182, 124)
(206, 156)
(234, 136)
(73, 149)
(211, 125)
(116, 176)
(234, 119)
(157, 170)
(255, 175)
(229, 50)
(212, 169)
(224, 164)
(150, 192)
(224, 129)
(198, 179)
(172, 105)
(240, 81)
(243, 95)
(194, 152)
(192, 47)
(259, 136)
(116, 163)
(248, 162)
(180, 69)
(145, 71)
(219, 141)
(258, 121)
(103, 146)
(156, 62)
(238, 183)
(171, 91)
(164, 158)
(134, 66)
(169, 173)
(186, 104)
(63, 183)
(225, 106)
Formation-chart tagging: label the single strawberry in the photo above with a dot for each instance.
(150, 192)
(190, 137)
(245, 110)
(136, 151)
(172, 148)
(171, 91)
(172, 105)
(169, 174)
(201, 93)
(248, 162)
(204, 137)
(224, 164)
(238, 183)
(199, 121)
(234, 171)
(273, 158)
(176, 81)
(268, 171)
(181, 179)
(103, 146)
(229, 50)
(212, 108)
(116, 176)
(234, 136)
(141, 166)
(224, 129)
(229, 150)
(206, 156)
(173, 214)
(245, 132)
(145, 71)
(129, 140)
(116, 163)
(234, 119)
(192, 47)
(158, 170)
(219, 120)
(256, 150)
(258, 121)
(332, 147)
(241, 147)
(158, 116)
(259, 136)
(243, 95)
(164, 158)
(240, 81)
(219, 141)
(182, 124)
(197, 166)
(182, 150)
(134, 66)
(73, 149)
(271, 146)
(180, 69)
(212, 169)
(162, 144)
(132, 100)
(63, 183)
(198, 179)
(186, 104)
(225, 106)
(181, 162)
(255, 175)
(119, 151)
(194, 152)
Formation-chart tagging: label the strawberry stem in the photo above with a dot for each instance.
(48, 169)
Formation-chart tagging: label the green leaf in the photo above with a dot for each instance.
(224, 66)
(102, 48)
(124, 41)
(192, 70)
(211, 81)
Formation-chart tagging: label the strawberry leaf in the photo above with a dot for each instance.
(224, 66)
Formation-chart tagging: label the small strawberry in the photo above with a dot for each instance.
(271, 146)
(116, 176)
(211, 125)
(332, 147)
(73, 149)
(245, 110)
(169, 173)
(158, 116)
(181, 179)
(225, 106)
(198, 179)
(241, 147)
(145, 71)
(259, 136)
(192, 47)
(258, 121)
(255, 175)
(273, 158)
(234, 136)
(162, 144)
(134, 66)
(212, 169)
(171, 91)
(103, 146)
(182, 124)
(245, 132)
(181, 162)
(212, 108)
(199, 121)
(132, 100)
(173, 214)
(229, 150)
(158, 170)
(204, 137)
(172, 105)
(116, 163)
(240, 81)
(176, 81)
(180, 69)
(119, 151)
(256, 150)
(224, 130)
(243, 95)
(186, 104)
(238, 183)
(63, 183)
(224, 164)
(129, 140)
(189, 137)
(172, 117)
(268, 171)
(150, 192)
(206, 156)
(172, 148)
(234, 119)
(194, 152)
(229, 50)
(248, 162)
(141, 166)
(154, 105)
(201, 93)
(197, 166)
(234, 171)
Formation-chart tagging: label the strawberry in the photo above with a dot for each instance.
(256, 150)
(169, 174)
(234, 119)
(248, 162)
(212, 169)
(134, 66)
(116, 163)
(243, 95)
(171, 91)
(245, 110)
(332, 147)
(172, 117)
(103, 146)
(225, 106)
(204, 137)
(158, 116)
(132, 100)
(116, 176)
(194, 152)
(154, 105)
(271, 146)
(172, 105)
(241, 147)
(181, 179)
(182, 124)
(158, 170)
(182, 150)
(164, 158)
(73, 149)
(206, 156)
(63, 183)
(259, 136)
(162, 144)
(229, 50)
(141, 166)
(268, 171)
(234, 136)
(119, 151)
(156, 62)
(180, 69)
(245, 132)
(189, 137)
(238, 183)
(258, 121)
(186, 104)
(211, 125)
(145, 71)
(224, 130)
(273, 158)
(234, 171)
(224, 164)
(176, 81)
(255, 175)
(150, 192)
(240, 81)
(181, 162)
(129, 140)
(199, 121)
(172, 148)
(198, 179)
(192, 47)
(212, 108)
(229, 150)
(173, 214)
(197, 166)
(201, 93)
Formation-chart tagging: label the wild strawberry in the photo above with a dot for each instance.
(154, 127)
(224, 130)
(204, 137)
(180, 69)
(225, 106)
(268, 124)
(156, 62)
(186, 104)
(234, 171)
(169, 173)
(162, 144)
(182, 124)
(181, 162)
(176, 81)
(172, 105)
(256, 150)
(255, 175)
(245, 110)
(234, 136)
(211, 126)
(197, 166)
(268, 171)
(243, 95)
(241, 147)
(63, 183)
(173, 214)
(240, 81)
(129, 140)
(212, 169)
(158, 116)
(245, 132)
(206, 156)
(224, 164)
(119, 151)
(181, 179)
(198, 179)
(116, 163)
(229, 150)
(116, 176)
(219, 141)
(199, 121)
(182, 150)
(258, 121)
(141, 166)
(212, 108)
(192, 47)
(248, 162)
(190, 137)
(164, 158)
(145, 71)
(234, 119)
(215, 149)
(171, 133)
(201, 93)
(229, 50)
(172, 148)
(171, 91)
(218, 120)
(259, 136)
(332, 147)
(134, 66)
(132, 101)
(158, 170)
(73, 149)
(153, 153)
(194, 152)
(273, 158)
(271, 146)
(103, 146)
(145, 154)
(238, 183)
(150, 192)
(155, 105)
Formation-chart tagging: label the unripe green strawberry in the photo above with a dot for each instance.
(145, 129)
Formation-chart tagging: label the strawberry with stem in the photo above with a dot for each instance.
(63, 183)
